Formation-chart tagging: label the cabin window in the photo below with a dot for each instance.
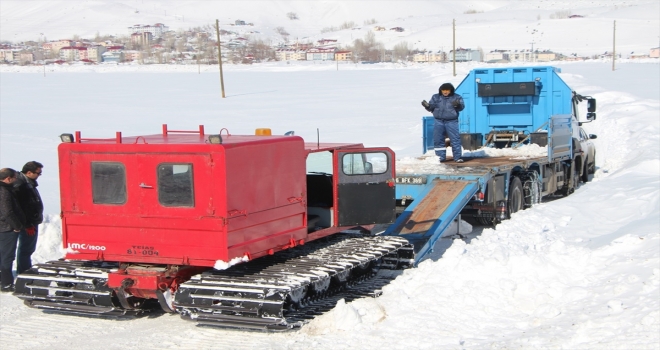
(319, 162)
(175, 185)
(364, 163)
(108, 183)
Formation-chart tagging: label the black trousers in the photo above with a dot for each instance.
(8, 242)
(26, 246)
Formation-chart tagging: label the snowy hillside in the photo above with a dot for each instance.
(427, 24)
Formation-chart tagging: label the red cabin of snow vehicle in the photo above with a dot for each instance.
(188, 200)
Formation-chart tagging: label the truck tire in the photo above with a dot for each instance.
(589, 171)
(486, 221)
(573, 181)
(516, 197)
(585, 171)
(531, 189)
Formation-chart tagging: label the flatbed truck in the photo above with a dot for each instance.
(505, 108)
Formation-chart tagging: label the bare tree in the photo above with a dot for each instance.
(367, 49)
(292, 15)
(180, 45)
(260, 50)
(159, 57)
(401, 51)
(560, 14)
(170, 42)
(345, 25)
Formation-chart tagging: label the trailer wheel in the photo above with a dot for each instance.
(515, 197)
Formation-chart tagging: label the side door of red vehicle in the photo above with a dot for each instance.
(364, 185)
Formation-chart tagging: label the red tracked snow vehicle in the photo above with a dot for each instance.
(147, 218)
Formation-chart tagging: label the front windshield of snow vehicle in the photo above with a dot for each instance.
(108, 183)
(364, 163)
(175, 185)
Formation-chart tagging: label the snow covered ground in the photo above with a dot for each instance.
(581, 272)
(578, 272)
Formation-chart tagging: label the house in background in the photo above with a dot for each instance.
(73, 53)
(497, 56)
(655, 52)
(143, 39)
(52, 48)
(321, 54)
(465, 55)
(94, 53)
(113, 56)
(290, 54)
(544, 56)
(9, 55)
(343, 56)
(157, 30)
(430, 56)
(115, 48)
(132, 55)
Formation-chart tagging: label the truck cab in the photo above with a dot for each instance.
(584, 147)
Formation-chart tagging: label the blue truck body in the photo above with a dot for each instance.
(508, 103)
(504, 107)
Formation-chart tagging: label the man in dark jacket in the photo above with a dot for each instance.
(30, 202)
(445, 106)
(12, 222)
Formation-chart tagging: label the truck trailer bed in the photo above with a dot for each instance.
(440, 191)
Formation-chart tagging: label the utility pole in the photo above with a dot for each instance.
(614, 45)
(222, 80)
(454, 43)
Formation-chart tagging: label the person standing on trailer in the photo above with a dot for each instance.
(12, 222)
(445, 106)
(30, 201)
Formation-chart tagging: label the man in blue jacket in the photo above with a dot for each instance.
(445, 106)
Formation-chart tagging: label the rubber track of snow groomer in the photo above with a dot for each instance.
(72, 287)
(286, 290)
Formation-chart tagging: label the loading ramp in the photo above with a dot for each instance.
(426, 220)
